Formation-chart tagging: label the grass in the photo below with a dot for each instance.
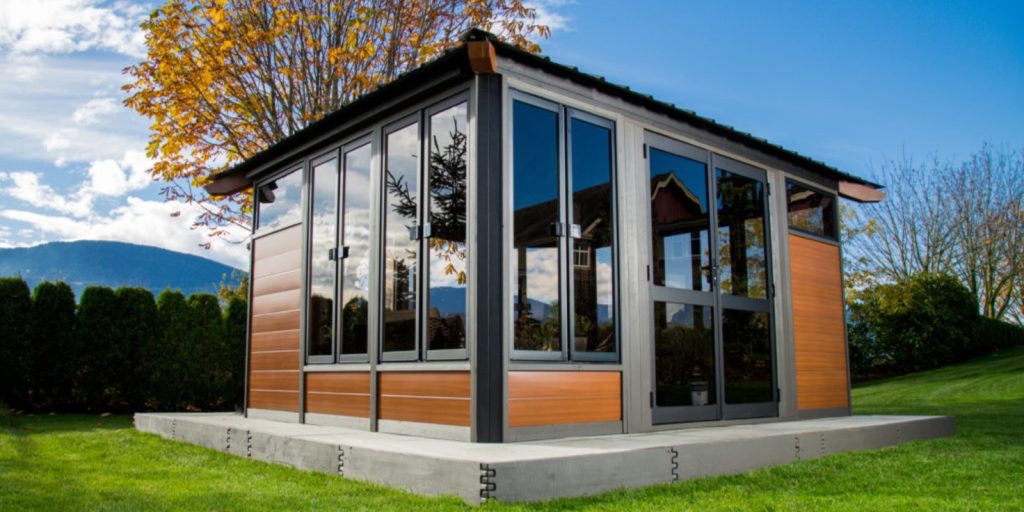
(68, 462)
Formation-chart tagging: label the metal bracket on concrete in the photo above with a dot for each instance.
(174, 426)
(796, 447)
(487, 483)
(341, 460)
(248, 444)
(227, 441)
(675, 464)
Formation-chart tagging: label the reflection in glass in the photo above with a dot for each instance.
(446, 314)
(684, 344)
(593, 293)
(534, 256)
(355, 269)
(280, 202)
(323, 235)
(400, 205)
(741, 234)
(748, 357)
(810, 210)
(680, 221)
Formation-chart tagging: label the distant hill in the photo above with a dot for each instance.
(113, 264)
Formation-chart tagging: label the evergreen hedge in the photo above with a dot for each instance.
(119, 350)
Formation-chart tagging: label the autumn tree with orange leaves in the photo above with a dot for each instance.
(224, 79)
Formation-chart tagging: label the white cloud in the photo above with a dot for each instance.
(65, 26)
(138, 221)
(94, 109)
(547, 14)
(104, 178)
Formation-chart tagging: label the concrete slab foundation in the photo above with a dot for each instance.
(540, 470)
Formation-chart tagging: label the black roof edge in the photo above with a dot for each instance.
(648, 101)
(407, 81)
(458, 55)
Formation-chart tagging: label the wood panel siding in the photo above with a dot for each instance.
(425, 397)
(539, 398)
(274, 356)
(818, 324)
(342, 394)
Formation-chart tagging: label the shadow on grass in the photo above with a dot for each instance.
(27, 424)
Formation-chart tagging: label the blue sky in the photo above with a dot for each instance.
(855, 84)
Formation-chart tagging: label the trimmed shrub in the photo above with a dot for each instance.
(206, 341)
(133, 348)
(234, 347)
(997, 335)
(15, 312)
(95, 334)
(928, 321)
(169, 374)
(56, 356)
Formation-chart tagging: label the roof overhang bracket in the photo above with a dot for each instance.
(227, 184)
(482, 59)
(860, 193)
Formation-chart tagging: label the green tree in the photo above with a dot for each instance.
(55, 355)
(169, 373)
(135, 348)
(15, 310)
(233, 358)
(206, 340)
(95, 333)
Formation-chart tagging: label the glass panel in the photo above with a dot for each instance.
(593, 287)
(748, 358)
(680, 221)
(535, 250)
(400, 205)
(280, 201)
(322, 269)
(446, 316)
(355, 273)
(741, 234)
(810, 210)
(684, 344)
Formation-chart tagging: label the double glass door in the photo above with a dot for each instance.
(710, 284)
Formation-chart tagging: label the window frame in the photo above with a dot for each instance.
(403, 122)
(833, 211)
(311, 164)
(428, 354)
(365, 140)
(566, 262)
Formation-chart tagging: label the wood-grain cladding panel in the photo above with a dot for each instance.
(425, 397)
(274, 357)
(342, 393)
(540, 398)
(818, 324)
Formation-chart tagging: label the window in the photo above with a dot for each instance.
(280, 202)
(563, 252)
(401, 206)
(323, 262)
(425, 251)
(355, 253)
(446, 271)
(811, 211)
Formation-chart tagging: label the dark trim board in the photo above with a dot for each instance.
(811, 414)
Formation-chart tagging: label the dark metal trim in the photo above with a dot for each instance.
(356, 143)
(488, 371)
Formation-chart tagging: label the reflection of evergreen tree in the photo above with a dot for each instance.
(354, 325)
(402, 285)
(447, 215)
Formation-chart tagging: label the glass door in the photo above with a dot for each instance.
(712, 350)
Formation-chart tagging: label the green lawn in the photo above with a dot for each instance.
(86, 462)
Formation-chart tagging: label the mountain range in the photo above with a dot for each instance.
(114, 264)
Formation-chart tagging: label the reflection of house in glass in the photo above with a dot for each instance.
(496, 247)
